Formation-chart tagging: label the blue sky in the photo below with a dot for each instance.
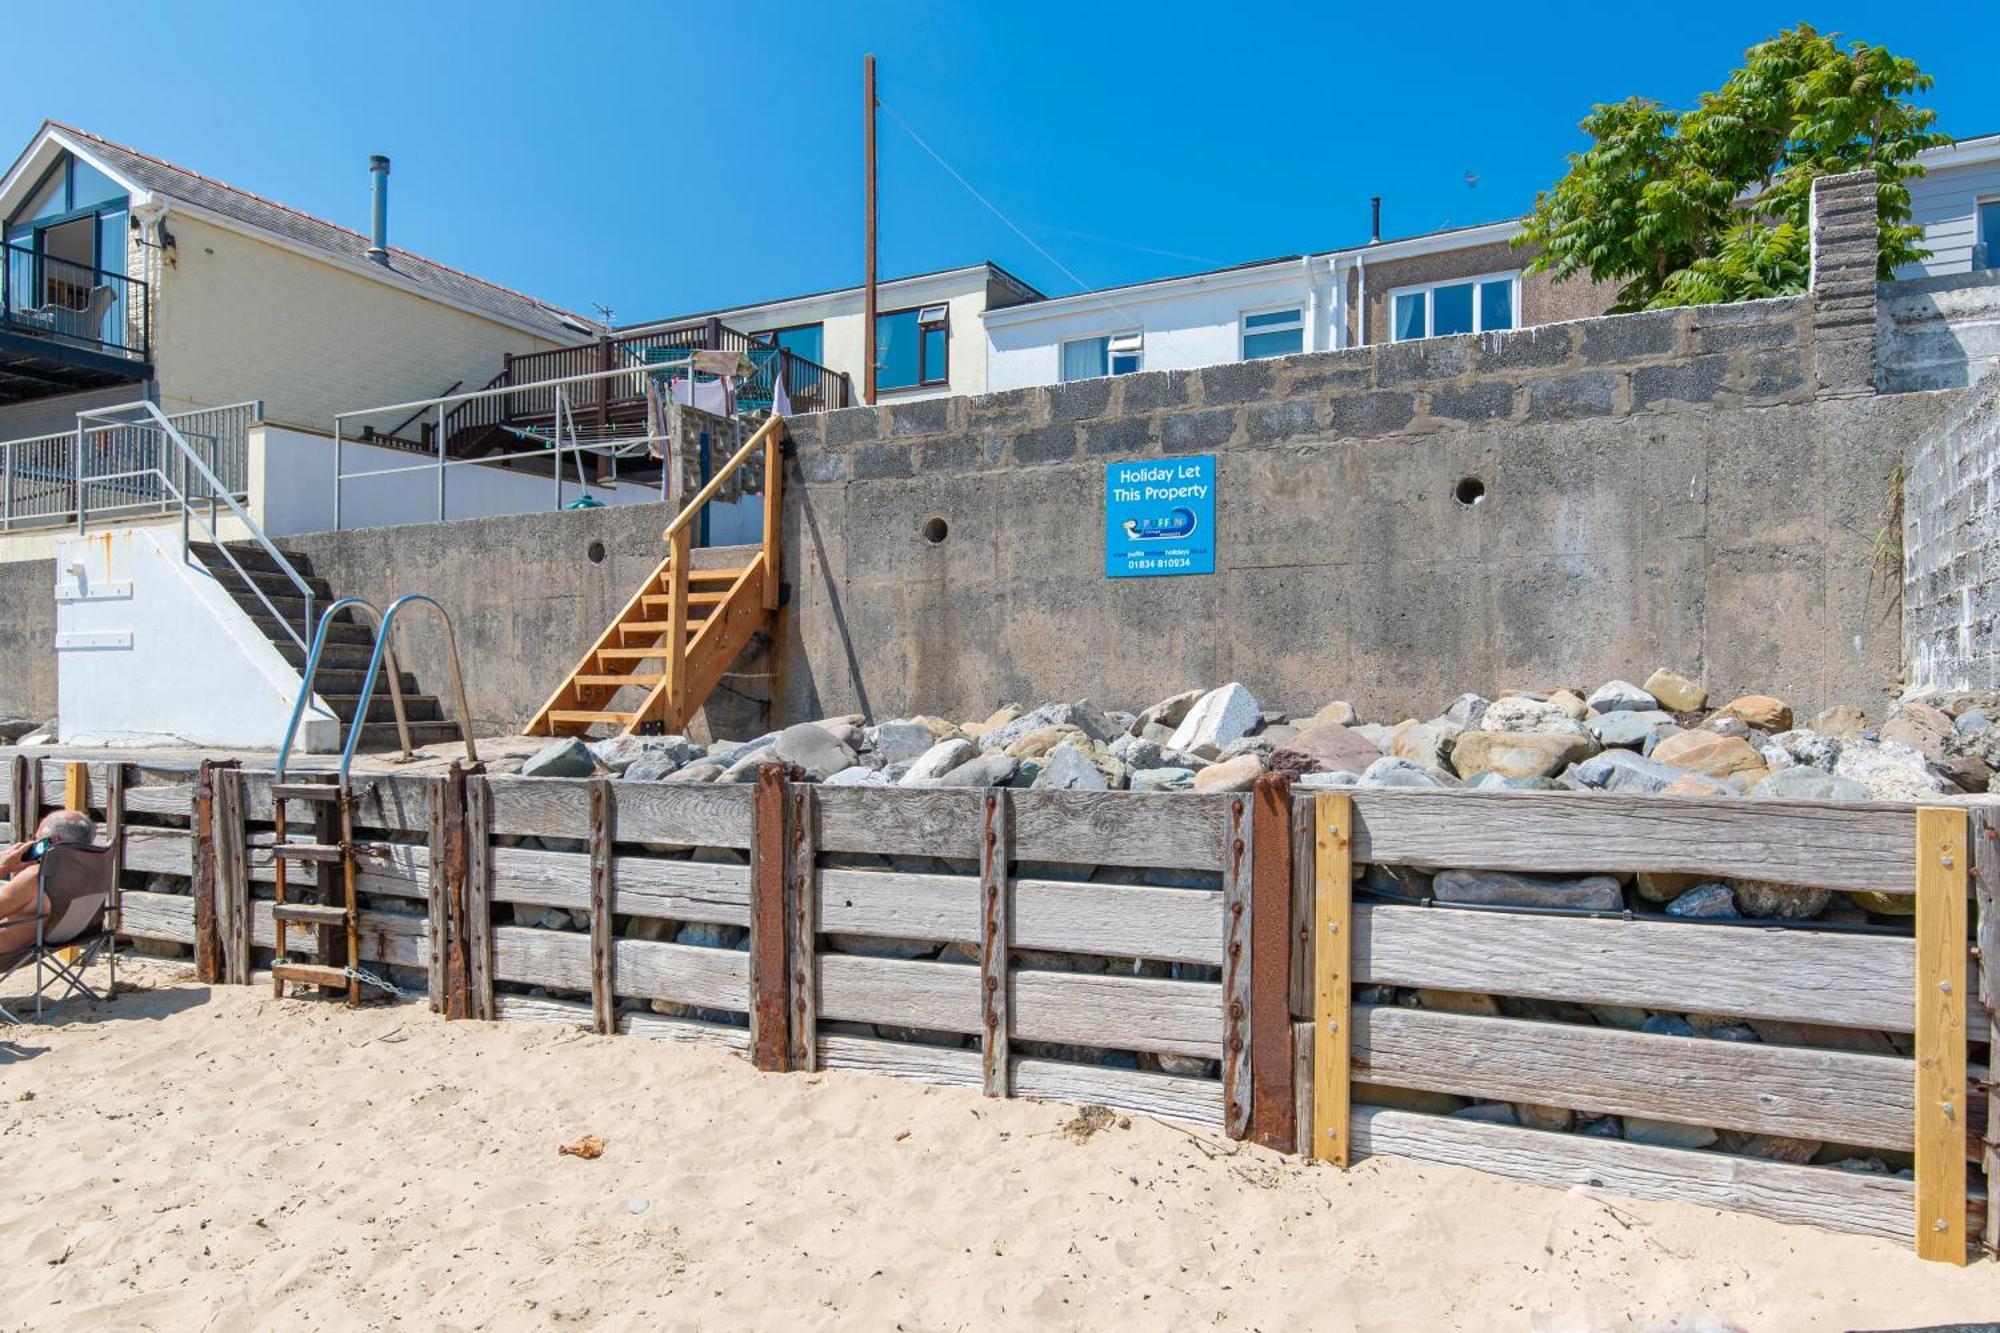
(663, 158)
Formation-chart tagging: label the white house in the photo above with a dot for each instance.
(1957, 203)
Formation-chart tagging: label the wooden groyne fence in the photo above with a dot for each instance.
(1190, 956)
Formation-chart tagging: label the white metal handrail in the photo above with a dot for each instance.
(48, 481)
(153, 419)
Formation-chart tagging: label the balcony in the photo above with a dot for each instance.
(66, 326)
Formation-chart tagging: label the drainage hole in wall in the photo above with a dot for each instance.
(1470, 491)
(935, 530)
(594, 553)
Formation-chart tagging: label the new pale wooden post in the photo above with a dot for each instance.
(76, 796)
(1986, 895)
(677, 619)
(1941, 984)
(1333, 945)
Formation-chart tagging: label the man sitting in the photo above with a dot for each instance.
(20, 880)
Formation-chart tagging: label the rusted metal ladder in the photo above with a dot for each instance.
(334, 910)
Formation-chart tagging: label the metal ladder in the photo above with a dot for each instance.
(332, 850)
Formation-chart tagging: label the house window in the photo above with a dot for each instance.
(1273, 333)
(1987, 253)
(1467, 305)
(912, 348)
(805, 341)
(1110, 354)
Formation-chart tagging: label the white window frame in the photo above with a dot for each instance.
(1111, 337)
(1244, 332)
(1427, 289)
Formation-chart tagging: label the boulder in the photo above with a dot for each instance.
(745, 768)
(1427, 744)
(1808, 748)
(705, 770)
(937, 761)
(1162, 779)
(861, 776)
(1705, 902)
(651, 767)
(1889, 771)
(1633, 728)
(1519, 754)
(618, 753)
(1520, 713)
(1570, 704)
(1325, 747)
(1698, 784)
(1082, 716)
(1768, 899)
(1168, 712)
(1069, 768)
(814, 748)
(1843, 722)
(1326, 781)
(1810, 784)
(1728, 724)
(1706, 753)
(900, 742)
(1760, 711)
(1923, 728)
(1599, 893)
(1622, 696)
(1235, 775)
(1667, 1133)
(1040, 741)
(566, 758)
(988, 770)
(1393, 771)
(1217, 718)
(1466, 711)
(1622, 770)
(1491, 781)
(1667, 1025)
(1675, 692)
(1339, 713)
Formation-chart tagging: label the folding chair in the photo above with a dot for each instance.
(74, 889)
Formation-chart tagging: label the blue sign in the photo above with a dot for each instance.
(1159, 517)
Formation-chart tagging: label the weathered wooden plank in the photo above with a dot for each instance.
(1109, 920)
(1833, 845)
(388, 869)
(684, 974)
(114, 829)
(603, 925)
(176, 799)
(399, 804)
(1332, 1029)
(1237, 960)
(447, 880)
(995, 918)
(436, 909)
(647, 885)
(386, 937)
(232, 882)
(1941, 856)
(1071, 1008)
(770, 877)
(1985, 833)
(802, 923)
(1841, 1096)
(575, 1013)
(153, 788)
(24, 796)
(1197, 1101)
(1153, 829)
(662, 812)
(1808, 1195)
(1271, 1121)
(1805, 976)
(479, 872)
(207, 919)
(1305, 867)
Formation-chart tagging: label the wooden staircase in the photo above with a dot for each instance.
(656, 664)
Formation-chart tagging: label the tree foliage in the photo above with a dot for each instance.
(1714, 204)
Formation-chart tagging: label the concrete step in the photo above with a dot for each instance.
(288, 604)
(381, 708)
(338, 633)
(249, 555)
(275, 584)
(351, 658)
(382, 735)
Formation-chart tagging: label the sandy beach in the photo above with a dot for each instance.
(209, 1158)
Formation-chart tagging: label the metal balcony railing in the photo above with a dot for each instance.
(76, 304)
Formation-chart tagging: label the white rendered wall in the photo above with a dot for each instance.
(151, 651)
(291, 486)
(1189, 323)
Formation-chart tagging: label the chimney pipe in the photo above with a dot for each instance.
(1374, 223)
(378, 168)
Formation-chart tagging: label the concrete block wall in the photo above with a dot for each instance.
(1951, 546)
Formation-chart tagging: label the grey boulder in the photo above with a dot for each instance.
(567, 758)
(815, 749)
(1598, 893)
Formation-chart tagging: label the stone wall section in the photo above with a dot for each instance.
(1951, 546)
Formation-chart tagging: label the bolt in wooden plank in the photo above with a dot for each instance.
(996, 915)
(1333, 936)
(769, 873)
(479, 898)
(603, 899)
(803, 909)
(1986, 894)
(1940, 1045)
(207, 922)
(1272, 1120)
(1237, 944)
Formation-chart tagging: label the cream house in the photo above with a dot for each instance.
(127, 276)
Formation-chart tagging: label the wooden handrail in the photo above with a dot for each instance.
(774, 427)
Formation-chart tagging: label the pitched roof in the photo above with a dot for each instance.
(175, 182)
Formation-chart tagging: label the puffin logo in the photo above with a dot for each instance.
(1175, 523)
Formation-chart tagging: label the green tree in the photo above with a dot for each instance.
(1714, 204)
